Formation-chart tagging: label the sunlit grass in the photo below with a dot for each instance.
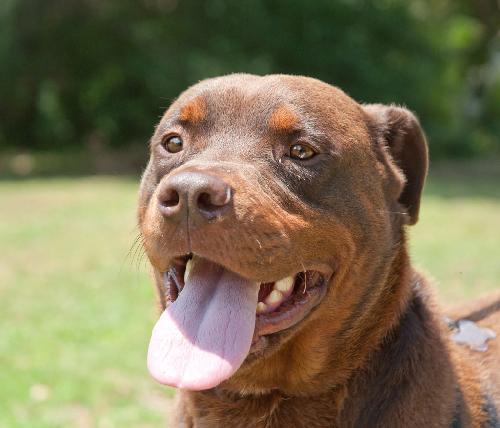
(76, 311)
(457, 240)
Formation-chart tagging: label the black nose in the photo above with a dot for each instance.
(203, 196)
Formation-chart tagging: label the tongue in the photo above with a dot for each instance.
(203, 337)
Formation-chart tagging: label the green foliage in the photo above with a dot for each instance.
(88, 73)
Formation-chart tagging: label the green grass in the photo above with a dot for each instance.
(457, 240)
(76, 312)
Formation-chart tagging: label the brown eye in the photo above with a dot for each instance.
(301, 152)
(172, 144)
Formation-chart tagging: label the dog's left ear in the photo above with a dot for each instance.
(403, 147)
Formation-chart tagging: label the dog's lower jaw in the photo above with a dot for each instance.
(372, 392)
(368, 372)
(333, 353)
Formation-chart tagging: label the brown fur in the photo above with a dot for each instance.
(283, 120)
(486, 313)
(194, 112)
(375, 352)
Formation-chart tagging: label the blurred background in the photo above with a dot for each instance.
(83, 82)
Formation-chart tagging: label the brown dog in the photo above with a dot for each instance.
(273, 211)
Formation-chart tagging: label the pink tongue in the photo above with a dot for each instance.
(203, 337)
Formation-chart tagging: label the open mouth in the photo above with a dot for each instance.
(281, 304)
(214, 318)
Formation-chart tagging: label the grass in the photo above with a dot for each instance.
(76, 312)
(457, 239)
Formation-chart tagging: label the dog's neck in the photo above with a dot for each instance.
(386, 348)
(412, 350)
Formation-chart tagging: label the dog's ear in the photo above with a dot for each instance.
(403, 146)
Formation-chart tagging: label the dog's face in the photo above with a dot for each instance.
(269, 208)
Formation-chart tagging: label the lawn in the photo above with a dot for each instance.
(76, 308)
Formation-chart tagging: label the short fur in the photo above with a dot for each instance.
(375, 352)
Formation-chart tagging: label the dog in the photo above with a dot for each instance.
(273, 211)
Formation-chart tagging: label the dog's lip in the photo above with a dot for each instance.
(325, 269)
(289, 314)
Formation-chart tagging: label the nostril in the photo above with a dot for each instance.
(170, 198)
(211, 201)
(205, 203)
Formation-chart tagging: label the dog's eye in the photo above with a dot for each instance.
(301, 152)
(172, 144)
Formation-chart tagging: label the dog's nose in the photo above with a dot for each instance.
(203, 196)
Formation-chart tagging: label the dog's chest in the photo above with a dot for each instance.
(261, 413)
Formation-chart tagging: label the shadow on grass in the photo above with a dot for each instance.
(72, 164)
(465, 179)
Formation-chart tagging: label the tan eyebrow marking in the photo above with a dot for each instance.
(283, 120)
(194, 111)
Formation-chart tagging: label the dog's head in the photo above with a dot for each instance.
(272, 211)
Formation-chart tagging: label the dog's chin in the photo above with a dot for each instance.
(282, 306)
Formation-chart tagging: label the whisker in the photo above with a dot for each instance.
(258, 242)
(392, 212)
(136, 252)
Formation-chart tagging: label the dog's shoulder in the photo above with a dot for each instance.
(485, 314)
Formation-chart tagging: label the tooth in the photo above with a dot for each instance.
(275, 298)
(189, 265)
(261, 307)
(284, 285)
